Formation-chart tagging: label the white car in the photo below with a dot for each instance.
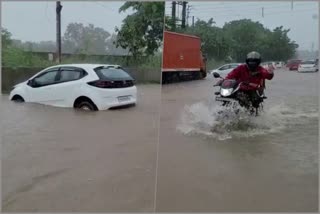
(82, 86)
(279, 65)
(225, 69)
(308, 66)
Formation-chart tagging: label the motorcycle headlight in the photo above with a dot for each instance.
(226, 92)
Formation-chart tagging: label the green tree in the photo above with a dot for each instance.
(5, 38)
(141, 32)
(85, 39)
(214, 43)
(279, 46)
(244, 36)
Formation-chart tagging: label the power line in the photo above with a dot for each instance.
(245, 5)
(102, 5)
(46, 14)
(250, 9)
(256, 11)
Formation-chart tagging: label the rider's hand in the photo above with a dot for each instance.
(271, 73)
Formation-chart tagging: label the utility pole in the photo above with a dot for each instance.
(184, 8)
(58, 29)
(192, 21)
(188, 14)
(291, 4)
(173, 15)
(262, 12)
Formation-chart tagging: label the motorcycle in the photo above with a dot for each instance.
(231, 95)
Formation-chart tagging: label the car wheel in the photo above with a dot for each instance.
(17, 99)
(86, 106)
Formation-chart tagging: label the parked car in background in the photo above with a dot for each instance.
(308, 66)
(293, 64)
(81, 86)
(225, 69)
(279, 65)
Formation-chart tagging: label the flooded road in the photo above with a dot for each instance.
(61, 160)
(264, 164)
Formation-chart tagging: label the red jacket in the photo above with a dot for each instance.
(242, 74)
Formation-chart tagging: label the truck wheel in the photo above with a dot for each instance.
(176, 77)
(203, 75)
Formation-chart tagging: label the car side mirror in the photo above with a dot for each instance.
(216, 75)
(32, 83)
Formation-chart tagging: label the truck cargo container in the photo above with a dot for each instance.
(182, 58)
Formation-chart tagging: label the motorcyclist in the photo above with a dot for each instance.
(252, 74)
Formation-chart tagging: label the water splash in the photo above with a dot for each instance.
(210, 120)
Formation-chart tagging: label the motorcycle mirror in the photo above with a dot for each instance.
(216, 75)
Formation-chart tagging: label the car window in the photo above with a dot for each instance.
(224, 67)
(111, 73)
(70, 74)
(46, 78)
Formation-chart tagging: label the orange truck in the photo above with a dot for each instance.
(182, 58)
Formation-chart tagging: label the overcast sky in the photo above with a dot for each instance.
(302, 19)
(35, 21)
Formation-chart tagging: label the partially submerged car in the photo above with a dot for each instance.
(82, 86)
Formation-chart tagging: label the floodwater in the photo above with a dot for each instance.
(61, 160)
(239, 163)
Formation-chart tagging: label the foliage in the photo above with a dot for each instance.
(5, 38)
(85, 39)
(141, 32)
(15, 57)
(236, 38)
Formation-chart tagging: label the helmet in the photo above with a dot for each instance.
(253, 60)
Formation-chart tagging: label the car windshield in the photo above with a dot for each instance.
(112, 73)
(308, 62)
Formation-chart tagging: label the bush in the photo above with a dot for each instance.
(14, 57)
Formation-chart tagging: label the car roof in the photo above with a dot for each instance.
(85, 65)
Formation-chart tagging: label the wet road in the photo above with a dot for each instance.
(263, 164)
(60, 160)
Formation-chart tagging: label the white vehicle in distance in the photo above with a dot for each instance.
(308, 66)
(279, 65)
(88, 87)
(224, 70)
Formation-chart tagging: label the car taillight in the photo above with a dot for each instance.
(112, 84)
(101, 84)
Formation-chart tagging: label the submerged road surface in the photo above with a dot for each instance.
(60, 160)
(264, 164)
